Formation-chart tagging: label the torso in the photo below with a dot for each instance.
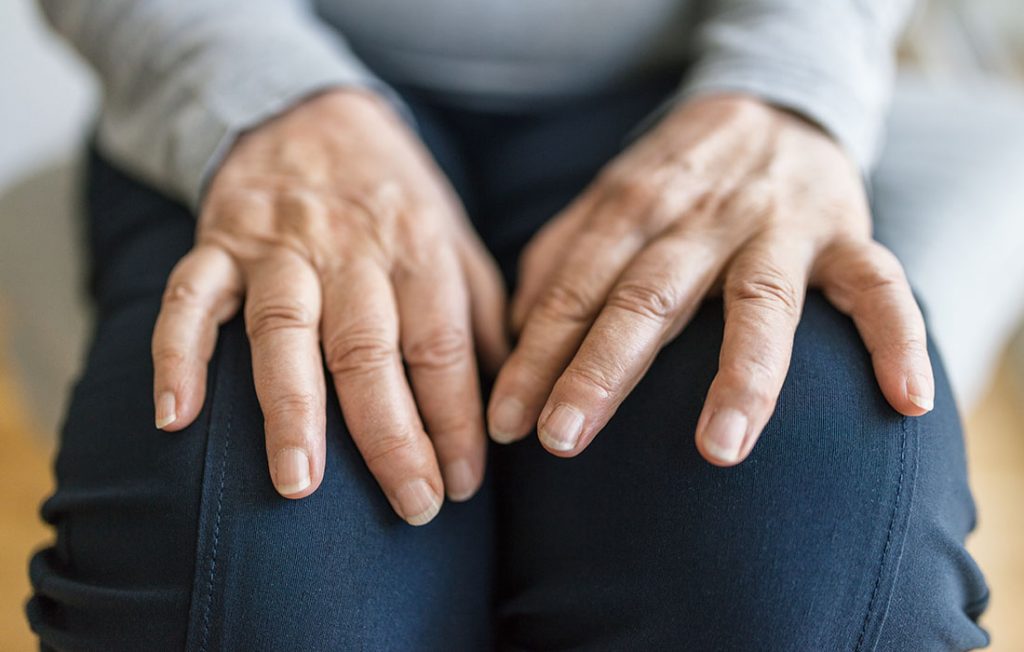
(533, 51)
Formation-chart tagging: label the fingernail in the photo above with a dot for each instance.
(724, 434)
(507, 420)
(459, 480)
(417, 502)
(165, 410)
(561, 430)
(920, 392)
(291, 466)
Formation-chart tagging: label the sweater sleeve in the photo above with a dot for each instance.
(183, 78)
(829, 60)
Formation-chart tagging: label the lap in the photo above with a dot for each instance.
(171, 540)
(843, 530)
(845, 524)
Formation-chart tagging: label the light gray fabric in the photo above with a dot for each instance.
(184, 77)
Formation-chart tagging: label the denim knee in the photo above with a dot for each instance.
(179, 541)
(817, 541)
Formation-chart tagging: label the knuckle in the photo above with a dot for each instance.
(455, 435)
(442, 347)
(859, 273)
(181, 294)
(396, 448)
(839, 209)
(238, 208)
(358, 351)
(421, 241)
(168, 357)
(390, 199)
(710, 198)
(765, 288)
(565, 302)
(634, 190)
(418, 253)
(751, 378)
(527, 367)
(653, 300)
(597, 380)
(757, 202)
(879, 269)
(459, 431)
(903, 348)
(608, 227)
(291, 405)
(301, 212)
(268, 317)
(762, 396)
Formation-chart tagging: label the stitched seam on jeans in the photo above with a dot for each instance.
(216, 536)
(888, 536)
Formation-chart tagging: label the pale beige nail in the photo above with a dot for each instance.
(291, 466)
(459, 480)
(920, 392)
(417, 502)
(562, 429)
(723, 436)
(506, 421)
(165, 410)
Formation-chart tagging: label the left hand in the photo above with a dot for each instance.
(726, 192)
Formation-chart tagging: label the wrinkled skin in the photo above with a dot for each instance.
(335, 225)
(350, 250)
(728, 194)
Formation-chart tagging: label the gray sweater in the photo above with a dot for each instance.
(183, 78)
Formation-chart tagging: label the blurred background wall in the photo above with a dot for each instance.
(49, 98)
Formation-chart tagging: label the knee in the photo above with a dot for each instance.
(125, 514)
(852, 503)
(852, 512)
(798, 547)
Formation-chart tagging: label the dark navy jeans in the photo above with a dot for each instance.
(844, 529)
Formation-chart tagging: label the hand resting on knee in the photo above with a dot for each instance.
(726, 194)
(338, 231)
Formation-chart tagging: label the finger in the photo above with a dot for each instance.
(764, 293)
(438, 351)
(282, 311)
(360, 338)
(203, 291)
(635, 206)
(563, 313)
(487, 301)
(629, 210)
(648, 306)
(544, 254)
(867, 282)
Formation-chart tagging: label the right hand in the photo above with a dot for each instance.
(335, 225)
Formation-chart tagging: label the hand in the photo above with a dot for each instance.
(337, 227)
(726, 192)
